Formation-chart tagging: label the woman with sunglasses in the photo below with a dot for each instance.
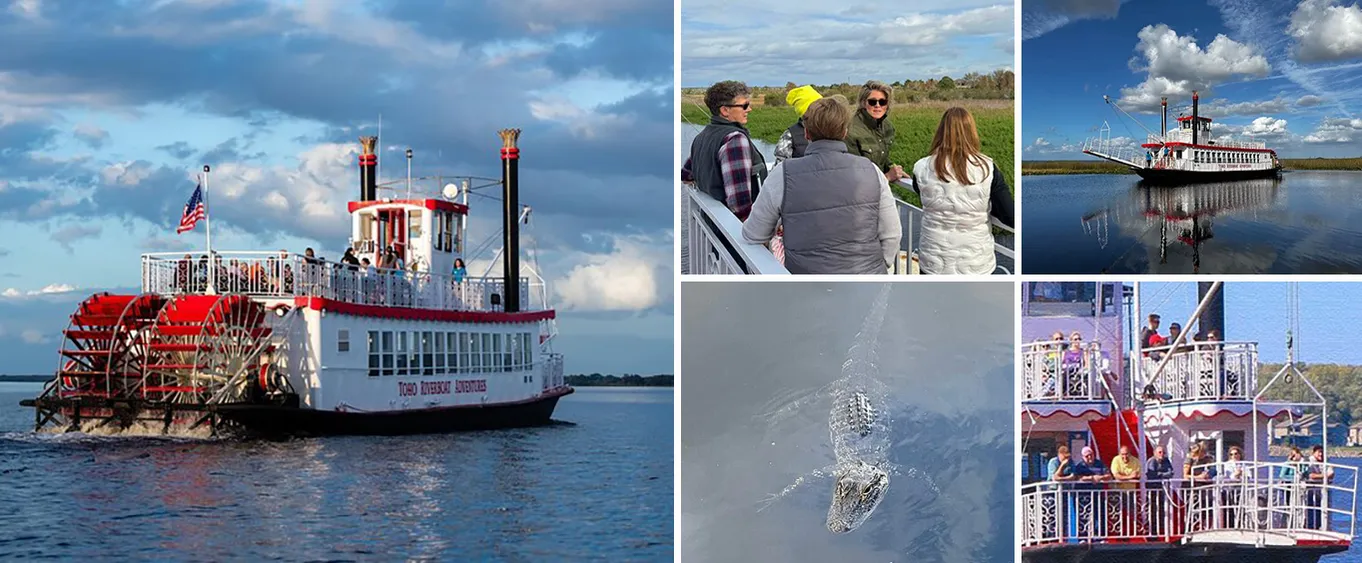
(960, 188)
(872, 134)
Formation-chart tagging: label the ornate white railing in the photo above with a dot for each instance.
(1050, 372)
(712, 241)
(266, 274)
(552, 371)
(1259, 499)
(1200, 371)
(1185, 136)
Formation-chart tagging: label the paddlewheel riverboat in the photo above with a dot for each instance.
(1102, 392)
(1187, 153)
(281, 343)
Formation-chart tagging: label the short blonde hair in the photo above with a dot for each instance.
(876, 86)
(827, 119)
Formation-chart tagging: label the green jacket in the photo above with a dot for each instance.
(871, 140)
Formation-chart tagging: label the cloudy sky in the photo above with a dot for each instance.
(107, 109)
(771, 42)
(1287, 73)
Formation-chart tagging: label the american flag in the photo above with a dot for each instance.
(193, 211)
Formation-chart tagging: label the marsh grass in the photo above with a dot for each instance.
(914, 126)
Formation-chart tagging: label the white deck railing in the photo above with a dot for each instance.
(1201, 371)
(266, 274)
(1185, 136)
(1051, 373)
(1259, 502)
(712, 241)
(552, 371)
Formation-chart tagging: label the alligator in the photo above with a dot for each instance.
(859, 426)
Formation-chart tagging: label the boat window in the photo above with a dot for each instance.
(373, 353)
(439, 353)
(486, 351)
(427, 353)
(474, 352)
(342, 340)
(402, 353)
(387, 352)
(452, 352)
(414, 354)
(413, 225)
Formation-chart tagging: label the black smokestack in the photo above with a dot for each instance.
(1213, 316)
(1195, 122)
(368, 170)
(510, 216)
(1163, 123)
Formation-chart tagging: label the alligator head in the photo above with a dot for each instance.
(859, 489)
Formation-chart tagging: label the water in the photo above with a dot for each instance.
(598, 489)
(946, 355)
(1306, 222)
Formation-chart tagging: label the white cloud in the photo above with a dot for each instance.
(1176, 66)
(28, 9)
(584, 123)
(1266, 126)
(1309, 100)
(49, 289)
(635, 275)
(1223, 108)
(1335, 130)
(91, 134)
(1326, 31)
(1043, 16)
(32, 336)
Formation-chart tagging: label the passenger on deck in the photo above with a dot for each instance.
(349, 259)
(1289, 476)
(1061, 467)
(184, 274)
(1317, 474)
(872, 133)
(1174, 331)
(837, 211)
(1091, 473)
(793, 142)
(1149, 335)
(459, 271)
(1199, 471)
(724, 162)
(1090, 469)
(1125, 468)
(961, 188)
(1158, 470)
(1230, 493)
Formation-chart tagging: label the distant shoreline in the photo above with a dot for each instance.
(1095, 166)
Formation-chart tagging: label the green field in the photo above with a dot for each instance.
(1095, 166)
(914, 126)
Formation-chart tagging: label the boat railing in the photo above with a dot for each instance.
(552, 371)
(1050, 372)
(1185, 136)
(1239, 506)
(272, 275)
(1200, 371)
(712, 241)
(1117, 150)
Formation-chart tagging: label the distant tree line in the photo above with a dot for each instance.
(1341, 386)
(628, 380)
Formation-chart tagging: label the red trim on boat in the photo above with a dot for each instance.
(1189, 118)
(439, 204)
(1206, 147)
(323, 304)
(1305, 543)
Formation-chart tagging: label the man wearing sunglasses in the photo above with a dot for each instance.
(723, 161)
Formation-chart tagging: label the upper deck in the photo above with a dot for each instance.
(270, 276)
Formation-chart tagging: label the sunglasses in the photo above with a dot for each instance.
(877, 101)
(745, 106)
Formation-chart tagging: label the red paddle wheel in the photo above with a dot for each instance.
(148, 357)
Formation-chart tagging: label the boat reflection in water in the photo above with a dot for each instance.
(1184, 214)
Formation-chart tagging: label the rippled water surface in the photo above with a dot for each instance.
(946, 355)
(1306, 222)
(599, 488)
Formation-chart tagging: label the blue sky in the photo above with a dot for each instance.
(107, 110)
(1257, 311)
(1285, 73)
(771, 42)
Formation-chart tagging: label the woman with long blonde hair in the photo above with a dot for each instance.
(960, 188)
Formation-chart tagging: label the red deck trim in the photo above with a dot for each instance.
(1205, 147)
(322, 304)
(1189, 118)
(426, 203)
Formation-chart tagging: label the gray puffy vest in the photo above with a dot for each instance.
(831, 212)
(704, 159)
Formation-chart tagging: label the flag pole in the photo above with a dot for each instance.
(208, 228)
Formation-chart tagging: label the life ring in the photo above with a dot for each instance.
(281, 309)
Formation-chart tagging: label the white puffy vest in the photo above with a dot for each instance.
(956, 237)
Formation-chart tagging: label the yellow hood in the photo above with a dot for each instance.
(801, 97)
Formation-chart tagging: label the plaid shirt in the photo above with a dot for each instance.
(735, 164)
